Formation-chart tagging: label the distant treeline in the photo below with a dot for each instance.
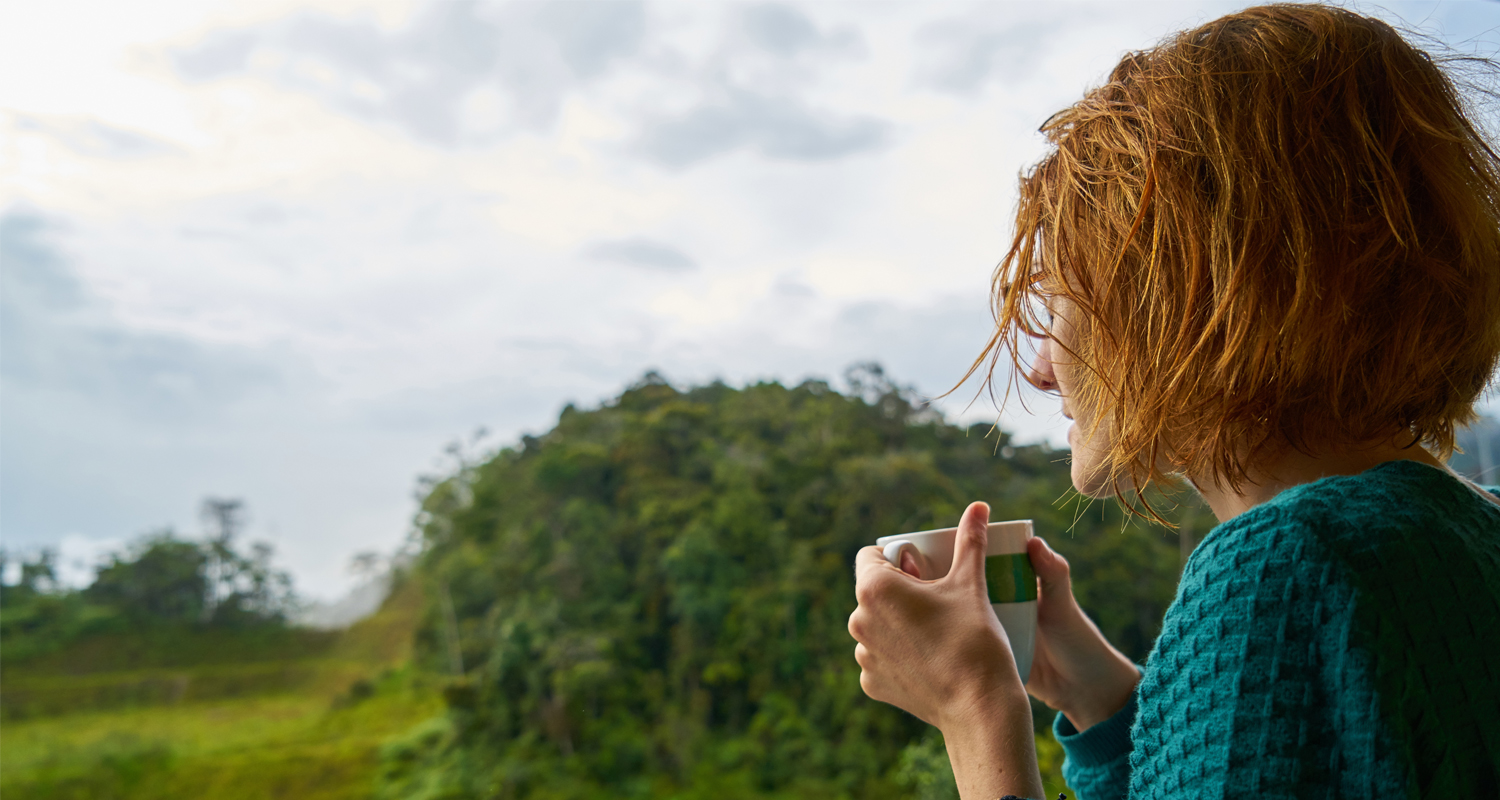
(650, 599)
(161, 580)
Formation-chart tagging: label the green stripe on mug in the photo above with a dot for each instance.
(1010, 578)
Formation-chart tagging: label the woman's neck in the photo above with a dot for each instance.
(1290, 467)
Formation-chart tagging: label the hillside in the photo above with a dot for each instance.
(650, 599)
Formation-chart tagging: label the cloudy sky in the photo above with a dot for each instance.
(286, 251)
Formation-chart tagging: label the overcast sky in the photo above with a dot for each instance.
(286, 251)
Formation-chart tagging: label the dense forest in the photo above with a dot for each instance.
(650, 599)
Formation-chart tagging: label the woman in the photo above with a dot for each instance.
(1268, 256)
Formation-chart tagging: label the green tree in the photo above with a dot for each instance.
(651, 598)
(37, 613)
(161, 579)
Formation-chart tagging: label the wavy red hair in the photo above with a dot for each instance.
(1281, 228)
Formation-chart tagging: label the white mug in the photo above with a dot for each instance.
(1007, 569)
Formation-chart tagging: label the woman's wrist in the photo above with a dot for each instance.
(991, 747)
(995, 705)
(1108, 695)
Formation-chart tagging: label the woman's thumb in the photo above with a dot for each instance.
(972, 540)
(1051, 569)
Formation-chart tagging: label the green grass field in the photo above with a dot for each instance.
(222, 714)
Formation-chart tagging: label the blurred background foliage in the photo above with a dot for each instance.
(648, 600)
(162, 581)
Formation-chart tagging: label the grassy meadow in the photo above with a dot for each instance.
(214, 713)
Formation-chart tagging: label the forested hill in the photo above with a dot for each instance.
(650, 599)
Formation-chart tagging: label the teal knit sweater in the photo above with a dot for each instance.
(1339, 641)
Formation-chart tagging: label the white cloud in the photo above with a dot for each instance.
(286, 251)
(640, 252)
(88, 137)
(420, 77)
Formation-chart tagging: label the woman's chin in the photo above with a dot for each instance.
(1090, 482)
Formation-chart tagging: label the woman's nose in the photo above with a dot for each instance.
(1040, 375)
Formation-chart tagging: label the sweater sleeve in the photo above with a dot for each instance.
(1097, 763)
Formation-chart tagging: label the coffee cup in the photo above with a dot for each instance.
(1007, 571)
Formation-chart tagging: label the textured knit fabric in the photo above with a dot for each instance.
(1339, 641)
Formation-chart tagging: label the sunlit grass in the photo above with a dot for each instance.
(293, 728)
(223, 749)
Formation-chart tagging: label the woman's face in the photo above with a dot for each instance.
(1054, 371)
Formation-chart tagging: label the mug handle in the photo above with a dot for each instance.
(893, 551)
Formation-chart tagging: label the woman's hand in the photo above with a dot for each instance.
(936, 650)
(1074, 670)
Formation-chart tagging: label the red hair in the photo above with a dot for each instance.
(1280, 228)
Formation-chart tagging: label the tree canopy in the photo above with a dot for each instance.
(162, 579)
(651, 598)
